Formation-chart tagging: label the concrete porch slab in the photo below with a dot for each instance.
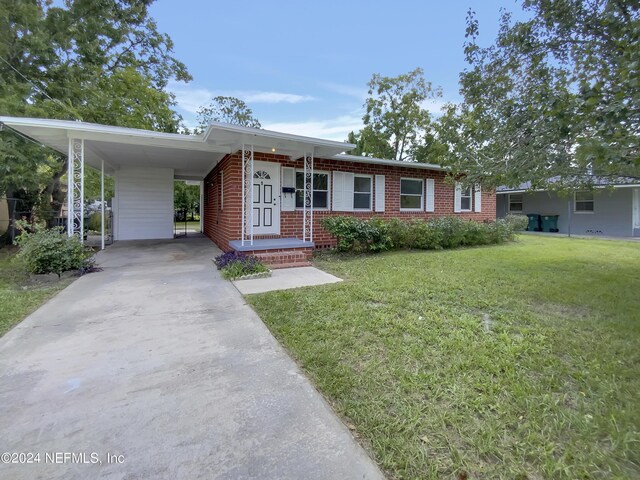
(286, 278)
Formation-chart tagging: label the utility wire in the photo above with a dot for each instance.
(41, 90)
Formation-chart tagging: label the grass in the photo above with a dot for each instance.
(514, 362)
(195, 225)
(20, 294)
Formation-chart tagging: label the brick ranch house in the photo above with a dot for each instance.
(262, 192)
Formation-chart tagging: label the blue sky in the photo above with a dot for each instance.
(303, 67)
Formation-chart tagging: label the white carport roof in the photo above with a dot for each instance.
(190, 156)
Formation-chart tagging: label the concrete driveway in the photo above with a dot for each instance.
(155, 368)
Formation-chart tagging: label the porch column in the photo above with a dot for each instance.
(247, 194)
(307, 212)
(102, 204)
(75, 188)
(201, 209)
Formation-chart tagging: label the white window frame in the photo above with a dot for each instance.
(370, 177)
(593, 203)
(315, 172)
(412, 195)
(470, 197)
(521, 202)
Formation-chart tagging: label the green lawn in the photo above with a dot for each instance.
(19, 294)
(514, 362)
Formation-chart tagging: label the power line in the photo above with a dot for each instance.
(41, 90)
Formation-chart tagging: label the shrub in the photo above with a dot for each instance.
(95, 222)
(377, 234)
(236, 264)
(517, 222)
(357, 235)
(451, 231)
(51, 251)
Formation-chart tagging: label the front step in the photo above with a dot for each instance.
(286, 258)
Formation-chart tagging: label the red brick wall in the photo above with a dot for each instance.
(224, 225)
(222, 213)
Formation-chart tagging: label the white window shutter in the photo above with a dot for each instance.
(347, 195)
(477, 200)
(379, 193)
(342, 194)
(288, 203)
(457, 198)
(431, 195)
(337, 191)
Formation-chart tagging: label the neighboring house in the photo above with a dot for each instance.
(4, 215)
(262, 192)
(608, 209)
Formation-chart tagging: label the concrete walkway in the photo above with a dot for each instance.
(157, 365)
(286, 278)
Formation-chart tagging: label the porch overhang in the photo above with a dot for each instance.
(233, 137)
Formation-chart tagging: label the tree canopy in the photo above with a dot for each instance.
(102, 62)
(396, 123)
(228, 110)
(557, 96)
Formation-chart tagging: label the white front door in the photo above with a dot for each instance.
(266, 198)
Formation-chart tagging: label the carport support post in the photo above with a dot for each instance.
(307, 214)
(75, 188)
(102, 204)
(247, 193)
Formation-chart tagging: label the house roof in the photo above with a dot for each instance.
(190, 156)
(595, 181)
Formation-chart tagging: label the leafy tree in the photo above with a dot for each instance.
(102, 62)
(228, 110)
(556, 96)
(186, 199)
(396, 122)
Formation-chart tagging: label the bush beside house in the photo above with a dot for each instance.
(51, 251)
(376, 234)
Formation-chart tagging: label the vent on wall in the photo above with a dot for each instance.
(594, 232)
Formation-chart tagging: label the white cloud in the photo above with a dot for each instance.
(331, 129)
(270, 97)
(190, 99)
(348, 90)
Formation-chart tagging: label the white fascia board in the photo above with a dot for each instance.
(383, 161)
(249, 132)
(506, 192)
(108, 133)
(78, 126)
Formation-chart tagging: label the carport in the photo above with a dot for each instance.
(144, 165)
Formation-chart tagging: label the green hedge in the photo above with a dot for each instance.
(376, 234)
(52, 251)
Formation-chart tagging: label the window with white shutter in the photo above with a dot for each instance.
(343, 192)
(477, 199)
(430, 205)
(379, 193)
(411, 194)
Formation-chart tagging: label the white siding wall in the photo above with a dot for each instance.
(143, 203)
